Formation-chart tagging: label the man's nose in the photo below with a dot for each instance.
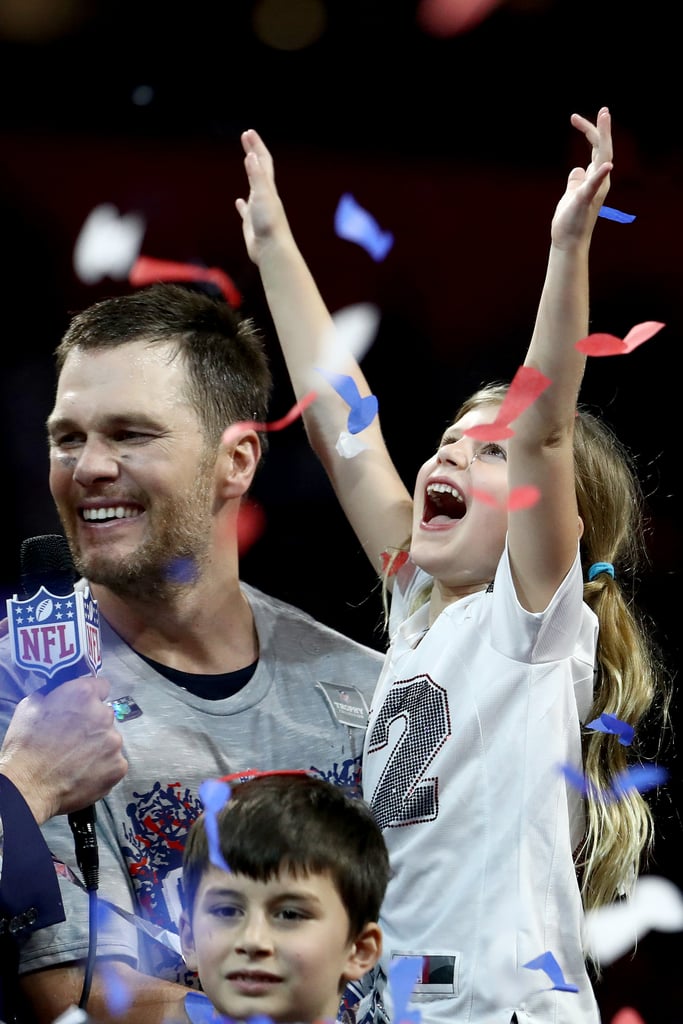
(95, 461)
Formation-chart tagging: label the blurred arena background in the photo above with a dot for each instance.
(448, 120)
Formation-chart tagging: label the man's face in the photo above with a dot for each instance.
(130, 474)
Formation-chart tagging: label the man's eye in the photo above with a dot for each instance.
(131, 435)
(66, 441)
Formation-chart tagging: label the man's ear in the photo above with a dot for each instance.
(237, 462)
(187, 941)
(365, 951)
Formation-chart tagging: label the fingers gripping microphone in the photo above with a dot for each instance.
(55, 631)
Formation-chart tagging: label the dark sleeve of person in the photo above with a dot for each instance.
(29, 889)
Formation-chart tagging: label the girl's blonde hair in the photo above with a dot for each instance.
(631, 682)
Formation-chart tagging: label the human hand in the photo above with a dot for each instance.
(263, 215)
(62, 749)
(587, 188)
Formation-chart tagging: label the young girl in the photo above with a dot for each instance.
(510, 632)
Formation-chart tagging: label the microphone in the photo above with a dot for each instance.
(55, 631)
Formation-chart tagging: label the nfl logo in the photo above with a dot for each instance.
(49, 633)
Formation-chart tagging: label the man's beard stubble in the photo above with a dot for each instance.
(171, 558)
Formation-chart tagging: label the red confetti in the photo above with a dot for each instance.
(399, 559)
(235, 429)
(627, 1015)
(611, 345)
(449, 17)
(518, 498)
(147, 270)
(525, 387)
(251, 525)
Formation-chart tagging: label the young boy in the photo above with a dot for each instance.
(295, 918)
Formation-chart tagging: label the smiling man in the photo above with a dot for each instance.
(208, 675)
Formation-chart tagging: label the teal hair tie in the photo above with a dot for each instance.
(598, 567)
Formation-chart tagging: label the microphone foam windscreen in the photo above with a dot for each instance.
(46, 561)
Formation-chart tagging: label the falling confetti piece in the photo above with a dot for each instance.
(355, 224)
(403, 976)
(399, 559)
(611, 345)
(362, 410)
(614, 725)
(182, 570)
(547, 963)
(525, 387)
(350, 445)
(655, 904)
(214, 793)
(609, 213)
(627, 1015)
(450, 17)
(235, 429)
(118, 994)
(640, 777)
(201, 1010)
(518, 498)
(352, 333)
(254, 773)
(251, 525)
(108, 244)
(147, 270)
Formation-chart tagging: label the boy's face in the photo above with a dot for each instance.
(279, 948)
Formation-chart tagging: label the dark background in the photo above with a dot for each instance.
(458, 144)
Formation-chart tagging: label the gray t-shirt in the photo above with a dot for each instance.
(173, 740)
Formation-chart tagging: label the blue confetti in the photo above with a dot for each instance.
(118, 994)
(182, 570)
(363, 410)
(575, 778)
(214, 794)
(612, 724)
(609, 213)
(546, 962)
(402, 981)
(640, 777)
(201, 1010)
(355, 224)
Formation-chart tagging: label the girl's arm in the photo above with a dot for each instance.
(542, 539)
(368, 486)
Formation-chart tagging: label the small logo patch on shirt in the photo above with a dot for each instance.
(347, 704)
(125, 709)
(435, 973)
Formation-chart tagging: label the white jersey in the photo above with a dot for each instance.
(470, 724)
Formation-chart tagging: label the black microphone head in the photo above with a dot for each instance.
(46, 561)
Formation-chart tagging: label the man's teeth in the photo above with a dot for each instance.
(92, 514)
(444, 489)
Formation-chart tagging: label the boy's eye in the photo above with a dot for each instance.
(225, 911)
(292, 914)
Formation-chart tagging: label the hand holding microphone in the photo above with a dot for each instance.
(55, 632)
(62, 750)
